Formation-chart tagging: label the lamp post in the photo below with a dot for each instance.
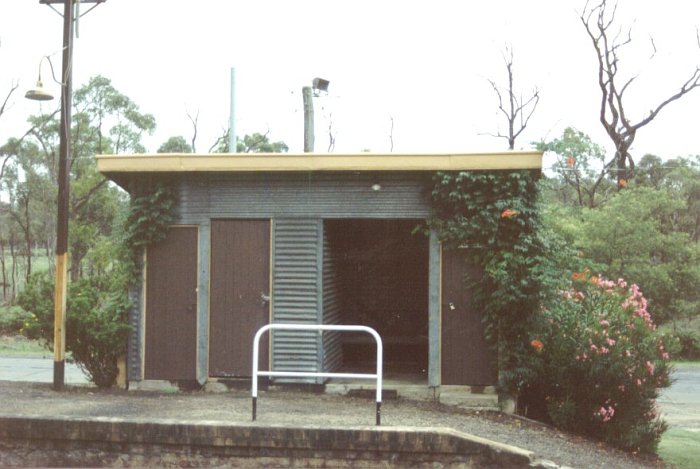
(60, 293)
(308, 93)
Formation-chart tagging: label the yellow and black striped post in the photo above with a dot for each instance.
(59, 335)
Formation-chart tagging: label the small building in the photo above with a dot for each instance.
(309, 239)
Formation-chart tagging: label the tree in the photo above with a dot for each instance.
(580, 167)
(637, 236)
(251, 143)
(175, 145)
(517, 111)
(260, 143)
(599, 22)
(104, 121)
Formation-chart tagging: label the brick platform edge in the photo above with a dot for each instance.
(38, 441)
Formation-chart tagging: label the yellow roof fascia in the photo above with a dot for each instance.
(287, 162)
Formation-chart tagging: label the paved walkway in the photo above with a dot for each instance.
(680, 404)
(37, 370)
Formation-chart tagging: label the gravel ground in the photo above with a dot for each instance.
(305, 409)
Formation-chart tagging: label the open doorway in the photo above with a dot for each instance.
(382, 273)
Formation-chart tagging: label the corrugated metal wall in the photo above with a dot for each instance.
(297, 203)
(332, 345)
(303, 195)
(296, 294)
(135, 340)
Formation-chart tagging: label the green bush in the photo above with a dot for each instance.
(598, 363)
(689, 345)
(12, 319)
(96, 324)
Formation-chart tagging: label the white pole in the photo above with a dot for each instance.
(232, 114)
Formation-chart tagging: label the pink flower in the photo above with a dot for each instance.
(610, 341)
(604, 323)
(665, 355)
(650, 367)
(606, 412)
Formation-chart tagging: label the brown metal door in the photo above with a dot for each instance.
(240, 289)
(466, 357)
(171, 306)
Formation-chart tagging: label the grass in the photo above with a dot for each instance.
(20, 346)
(680, 448)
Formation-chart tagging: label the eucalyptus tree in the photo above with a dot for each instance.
(176, 144)
(104, 121)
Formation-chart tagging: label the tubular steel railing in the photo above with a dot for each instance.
(309, 374)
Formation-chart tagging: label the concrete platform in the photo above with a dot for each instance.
(101, 441)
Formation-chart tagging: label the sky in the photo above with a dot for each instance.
(422, 65)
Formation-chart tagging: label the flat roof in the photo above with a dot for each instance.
(303, 162)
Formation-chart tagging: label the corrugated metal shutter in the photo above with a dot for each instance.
(296, 294)
(332, 346)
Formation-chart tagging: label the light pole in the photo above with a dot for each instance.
(308, 93)
(60, 293)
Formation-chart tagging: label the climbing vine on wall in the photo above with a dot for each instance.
(496, 215)
(150, 214)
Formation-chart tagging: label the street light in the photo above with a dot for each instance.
(308, 92)
(39, 93)
(59, 334)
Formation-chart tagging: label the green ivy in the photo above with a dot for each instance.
(496, 213)
(150, 214)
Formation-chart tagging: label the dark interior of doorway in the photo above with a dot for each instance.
(382, 269)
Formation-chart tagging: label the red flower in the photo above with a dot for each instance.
(508, 213)
(570, 161)
(537, 345)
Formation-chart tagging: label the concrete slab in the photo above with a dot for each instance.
(38, 370)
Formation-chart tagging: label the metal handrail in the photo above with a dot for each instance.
(317, 327)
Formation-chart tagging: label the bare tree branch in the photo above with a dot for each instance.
(331, 135)
(622, 130)
(391, 135)
(9, 151)
(515, 109)
(194, 121)
(13, 88)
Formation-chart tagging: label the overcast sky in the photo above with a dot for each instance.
(423, 64)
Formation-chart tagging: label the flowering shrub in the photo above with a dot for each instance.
(599, 363)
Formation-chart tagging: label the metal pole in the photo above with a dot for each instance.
(232, 114)
(308, 119)
(59, 335)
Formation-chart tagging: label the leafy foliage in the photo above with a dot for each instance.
(96, 328)
(581, 169)
(150, 214)
(599, 363)
(497, 214)
(175, 145)
(633, 236)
